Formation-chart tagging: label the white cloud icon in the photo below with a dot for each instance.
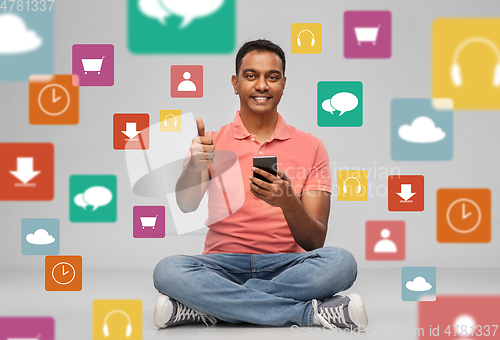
(418, 285)
(15, 37)
(421, 130)
(40, 237)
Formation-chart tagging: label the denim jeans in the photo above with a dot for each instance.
(262, 289)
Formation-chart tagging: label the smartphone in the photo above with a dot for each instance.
(266, 163)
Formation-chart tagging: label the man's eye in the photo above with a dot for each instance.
(251, 76)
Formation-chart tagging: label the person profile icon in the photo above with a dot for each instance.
(186, 84)
(385, 245)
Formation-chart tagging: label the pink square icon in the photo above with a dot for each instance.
(149, 222)
(186, 81)
(367, 34)
(93, 65)
(385, 240)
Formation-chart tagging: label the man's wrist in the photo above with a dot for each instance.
(291, 203)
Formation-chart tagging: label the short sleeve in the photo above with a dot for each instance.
(319, 178)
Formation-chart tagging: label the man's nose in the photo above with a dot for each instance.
(261, 84)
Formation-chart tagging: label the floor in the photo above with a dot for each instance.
(22, 293)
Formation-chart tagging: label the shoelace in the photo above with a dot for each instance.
(329, 315)
(186, 313)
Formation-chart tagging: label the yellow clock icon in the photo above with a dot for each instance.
(463, 215)
(63, 273)
(54, 99)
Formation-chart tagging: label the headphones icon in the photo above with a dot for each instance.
(105, 328)
(456, 74)
(312, 41)
(165, 120)
(359, 185)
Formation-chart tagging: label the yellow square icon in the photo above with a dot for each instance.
(117, 319)
(306, 38)
(170, 120)
(352, 185)
(466, 62)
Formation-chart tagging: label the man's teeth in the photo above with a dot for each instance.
(260, 98)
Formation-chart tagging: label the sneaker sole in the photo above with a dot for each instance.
(357, 311)
(160, 303)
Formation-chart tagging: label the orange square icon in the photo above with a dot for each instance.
(26, 171)
(131, 131)
(63, 273)
(53, 100)
(464, 215)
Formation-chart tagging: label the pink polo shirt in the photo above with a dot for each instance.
(256, 227)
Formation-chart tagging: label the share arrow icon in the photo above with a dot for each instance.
(406, 193)
(24, 171)
(131, 131)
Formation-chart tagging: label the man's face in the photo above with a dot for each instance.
(260, 82)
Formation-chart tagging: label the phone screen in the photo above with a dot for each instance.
(266, 163)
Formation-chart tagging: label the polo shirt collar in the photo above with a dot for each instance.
(280, 131)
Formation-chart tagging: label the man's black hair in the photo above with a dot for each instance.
(259, 45)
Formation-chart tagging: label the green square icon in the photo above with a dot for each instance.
(188, 26)
(92, 198)
(340, 103)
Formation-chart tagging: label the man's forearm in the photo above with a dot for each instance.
(308, 232)
(191, 187)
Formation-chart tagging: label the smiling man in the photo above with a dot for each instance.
(265, 263)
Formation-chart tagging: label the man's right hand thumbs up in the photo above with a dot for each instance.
(202, 148)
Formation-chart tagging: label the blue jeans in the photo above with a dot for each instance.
(262, 289)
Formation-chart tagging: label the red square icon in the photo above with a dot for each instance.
(131, 131)
(385, 240)
(459, 317)
(26, 171)
(186, 81)
(406, 193)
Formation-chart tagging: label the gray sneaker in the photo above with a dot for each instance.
(169, 312)
(341, 312)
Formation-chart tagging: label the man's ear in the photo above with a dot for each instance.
(234, 81)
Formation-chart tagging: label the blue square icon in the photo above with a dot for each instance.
(418, 283)
(27, 40)
(40, 236)
(421, 129)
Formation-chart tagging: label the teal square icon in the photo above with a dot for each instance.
(40, 236)
(92, 198)
(340, 103)
(418, 283)
(174, 27)
(26, 40)
(421, 129)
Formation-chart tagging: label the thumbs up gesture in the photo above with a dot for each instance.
(202, 148)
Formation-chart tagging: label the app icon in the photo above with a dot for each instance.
(53, 100)
(63, 273)
(385, 240)
(92, 198)
(367, 34)
(117, 319)
(186, 81)
(26, 171)
(406, 193)
(27, 328)
(93, 65)
(306, 38)
(181, 26)
(464, 215)
(340, 103)
(131, 131)
(419, 283)
(149, 222)
(421, 129)
(170, 120)
(352, 185)
(27, 41)
(40, 236)
(466, 62)
(464, 317)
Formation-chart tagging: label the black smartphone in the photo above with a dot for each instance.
(266, 163)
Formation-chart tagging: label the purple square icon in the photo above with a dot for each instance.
(93, 65)
(149, 222)
(367, 34)
(42, 328)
